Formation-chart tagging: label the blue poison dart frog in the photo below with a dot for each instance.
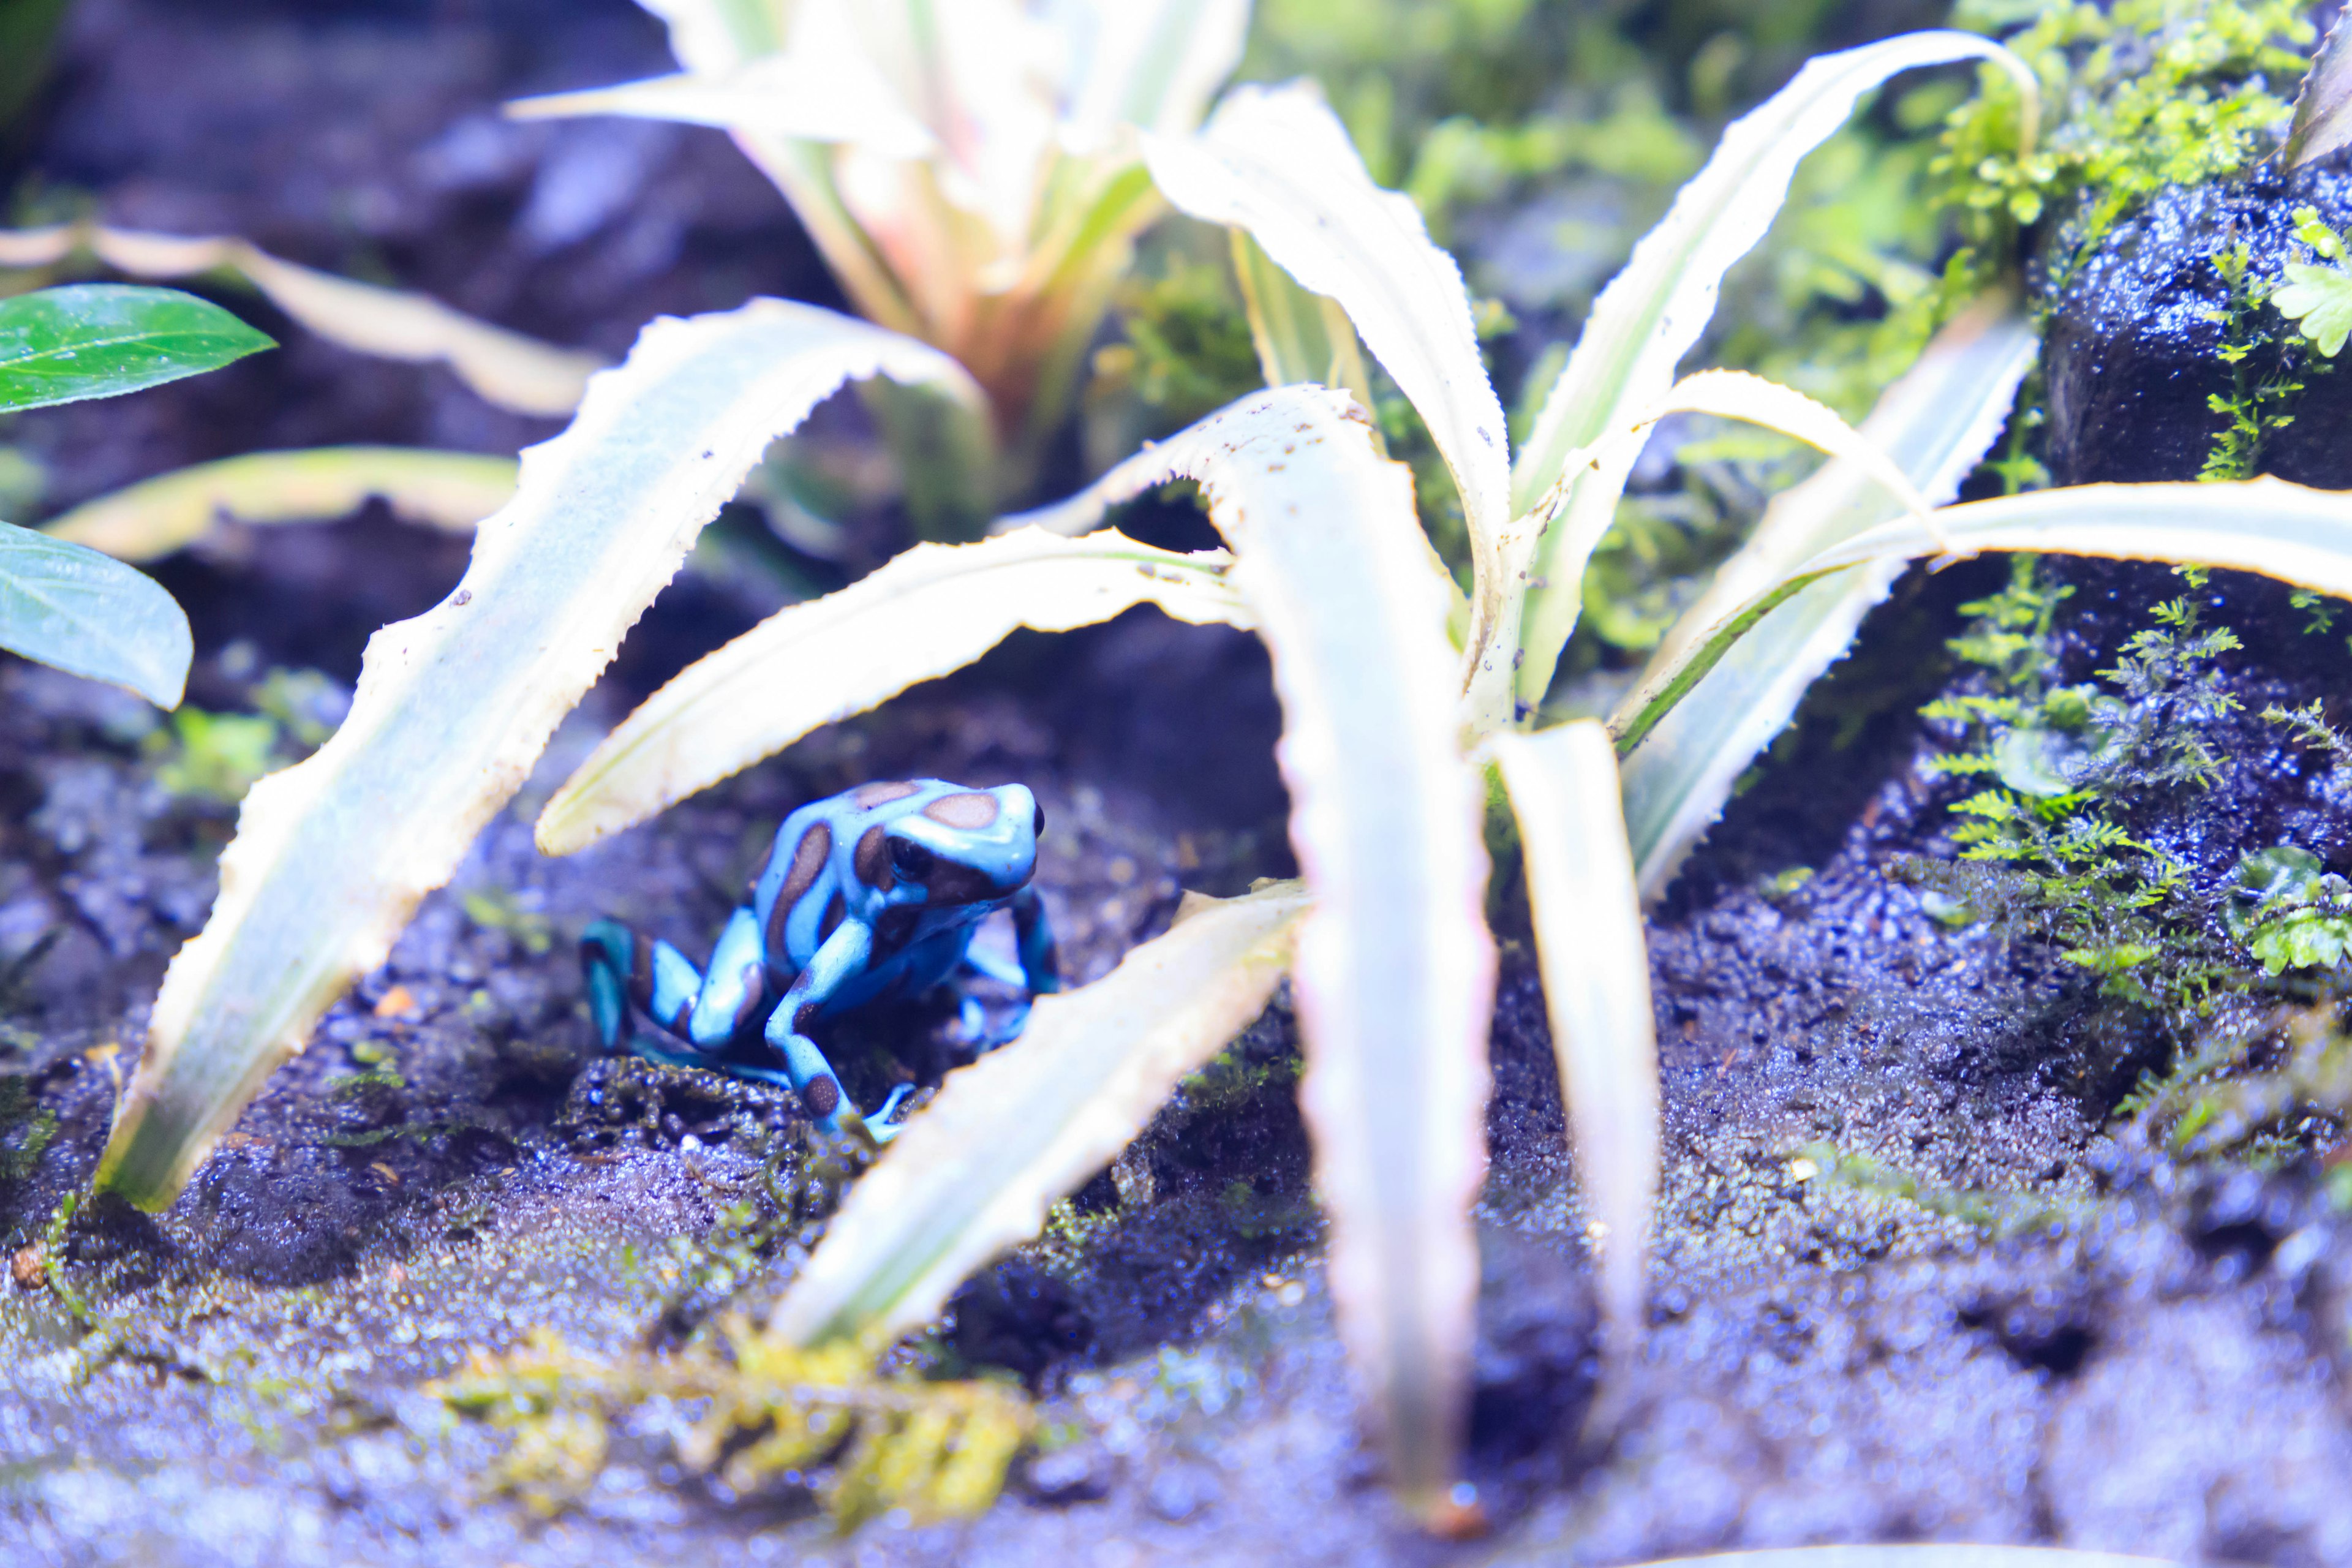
(871, 894)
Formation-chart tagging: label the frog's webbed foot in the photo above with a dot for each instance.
(973, 1028)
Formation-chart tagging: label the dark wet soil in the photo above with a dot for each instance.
(2152, 1360)
(2137, 329)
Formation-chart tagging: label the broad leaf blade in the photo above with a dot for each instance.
(454, 706)
(1300, 336)
(1596, 975)
(145, 521)
(1937, 421)
(783, 94)
(88, 614)
(719, 35)
(1152, 63)
(931, 610)
(1278, 164)
(976, 1169)
(102, 340)
(505, 368)
(2270, 527)
(1653, 311)
(1395, 968)
(2323, 108)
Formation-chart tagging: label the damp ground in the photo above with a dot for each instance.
(2059, 1337)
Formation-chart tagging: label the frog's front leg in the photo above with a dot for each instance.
(1041, 962)
(843, 956)
(1039, 973)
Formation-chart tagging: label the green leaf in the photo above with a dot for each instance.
(505, 368)
(101, 340)
(455, 705)
(70, 606)
(2318, 300)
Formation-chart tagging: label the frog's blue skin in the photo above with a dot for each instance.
(873, 893)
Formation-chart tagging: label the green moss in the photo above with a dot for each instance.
(1994, 1214)
(501, 910)
(2138, 95)
(2067, 771)
(757, 1414)
(26, 1127)
(2263, 383)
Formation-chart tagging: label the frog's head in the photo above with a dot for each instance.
(968, 847)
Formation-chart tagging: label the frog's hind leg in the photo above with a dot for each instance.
(626, 972)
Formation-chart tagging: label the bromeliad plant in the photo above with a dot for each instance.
(65, 605)
(1398, 691)
(970, 171)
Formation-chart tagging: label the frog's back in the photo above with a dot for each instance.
(830, 859)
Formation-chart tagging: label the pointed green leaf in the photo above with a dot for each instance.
(85, 612)
(101, 340)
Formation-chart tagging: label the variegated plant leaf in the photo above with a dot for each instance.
(1275, 162)
(716, 35)
(1596, 976)
(1151, 63)
(784, 95)
(1395, 971)
(1937, 421)
(1652, 314)
(147, 521)
(932, 610)
(1298, 335)
(2298, 535)
(454, 706)
(505, 368)
(2323, 108)
(976, 1169)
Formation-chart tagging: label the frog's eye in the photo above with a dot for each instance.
(1037, 824)
(909, 859)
